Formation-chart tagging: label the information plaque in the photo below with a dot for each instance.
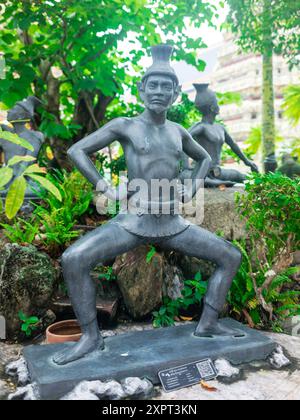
(187, 375)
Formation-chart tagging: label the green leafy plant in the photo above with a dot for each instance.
(21, 231)
(107, 274)
(291, 103)
(52, 222)
(57, 218)
(29, 324)
(16, 191)
(150, 254)
(192, 293)
(264, 291)
(254, 141)
(262, 304)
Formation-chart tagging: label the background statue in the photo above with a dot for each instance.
(290, 166)
(21, 114)
(212, 136)
(152, 146)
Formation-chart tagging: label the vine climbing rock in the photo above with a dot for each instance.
(27, 282)
(144, 283)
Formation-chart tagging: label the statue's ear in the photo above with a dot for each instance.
(177, 93)
(141, 90)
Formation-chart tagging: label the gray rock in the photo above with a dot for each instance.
(27, 281)
(136, 387)
(85, 391)
(9, 352)
(111, 390)
(190, 266)
(97, 390)
(143, 284)
(278, 359)
(226, 370)
(220, 213)
(114, 391)
(4, 390)
(292, 326)
(18, 369)
(26, 393)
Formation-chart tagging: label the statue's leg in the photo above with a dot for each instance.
(200, 243)
(100, 245)
(232, 175)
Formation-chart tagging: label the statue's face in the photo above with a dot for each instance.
(158, 93)
(16, 113)
(208, 104)
(214, 107)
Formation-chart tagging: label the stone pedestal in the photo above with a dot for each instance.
(142, 354)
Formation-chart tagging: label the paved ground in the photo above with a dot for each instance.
(262, 384)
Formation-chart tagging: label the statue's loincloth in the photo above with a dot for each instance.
(151, 225)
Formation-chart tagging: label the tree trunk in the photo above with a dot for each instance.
(268, 117)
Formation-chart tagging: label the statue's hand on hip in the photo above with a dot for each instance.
(113, 193)
(185, 193)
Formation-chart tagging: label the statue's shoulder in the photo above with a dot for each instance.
(220, 126)
(174, 125)
(197, 128)
(120, 123)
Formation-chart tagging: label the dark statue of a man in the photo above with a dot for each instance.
(21, 114)
(212, 136)
(152, 146)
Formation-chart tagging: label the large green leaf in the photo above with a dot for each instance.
(14, 138)
(15, 197)
(47, 185)
(17, 159)
(6, 175)
(34, 169)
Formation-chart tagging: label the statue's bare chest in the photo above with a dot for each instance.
(153, 152)
(155, 143)
(214, 133)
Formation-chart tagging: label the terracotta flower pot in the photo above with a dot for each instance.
(63, 331)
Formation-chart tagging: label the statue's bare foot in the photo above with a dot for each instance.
(86, 345)
(215, 329)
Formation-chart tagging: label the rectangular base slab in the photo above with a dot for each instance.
(142, 354)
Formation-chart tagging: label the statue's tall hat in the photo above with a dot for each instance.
(27, 107)
(161, 55)
(204, 95)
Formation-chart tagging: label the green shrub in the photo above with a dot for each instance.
(52, 222)
(263, 292)
(192, 293)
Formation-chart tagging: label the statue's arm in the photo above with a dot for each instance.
(199, 155)
(79, 153)
(6, 128)
(195, 131)
(236, 149)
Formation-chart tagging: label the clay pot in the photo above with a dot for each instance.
(63, 331)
